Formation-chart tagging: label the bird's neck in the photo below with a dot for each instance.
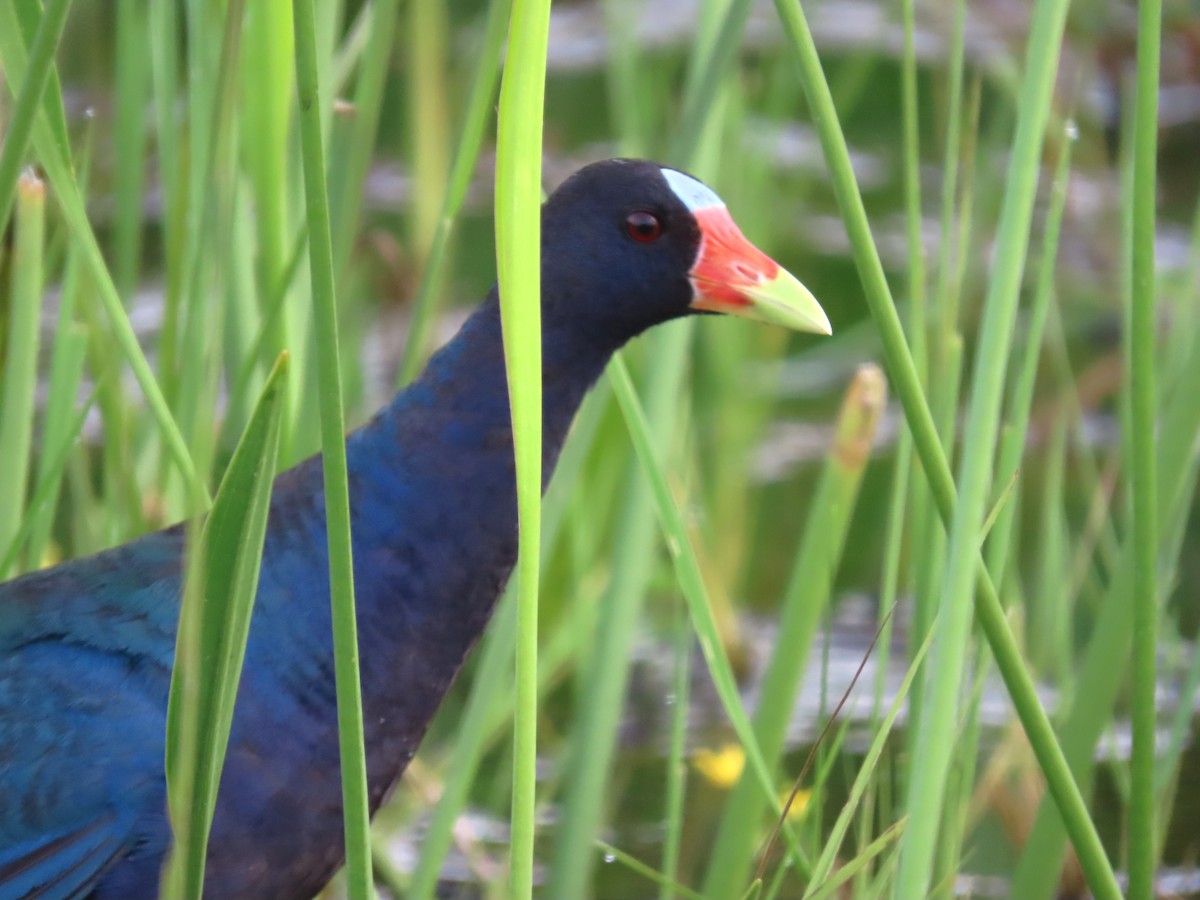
(434, 502)
(457, 413)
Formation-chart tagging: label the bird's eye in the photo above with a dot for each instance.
(643, 227)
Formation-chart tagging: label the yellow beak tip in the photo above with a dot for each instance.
(785, 301)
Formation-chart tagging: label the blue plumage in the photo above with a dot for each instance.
(86, 648)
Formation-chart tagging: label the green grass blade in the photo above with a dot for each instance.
(518, 264)
(337, 489)
(1012, 445)
(211, 644)
(706, 74)
(165, 38)
(26, 15)
(825, 863)
(614, 854)
(354, 161)
(1143, 488)
(58, 430)
(132, 83)
(429, 103)
(676, 777)
(478, 109)
(850, 868)
(947, 294)
(910, 124)
(53, 462)
(216, 51)
(40, 71)
(19, 371)
(266, 110)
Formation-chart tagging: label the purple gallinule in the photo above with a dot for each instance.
(86, 647)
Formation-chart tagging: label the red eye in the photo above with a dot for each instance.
(643, 227)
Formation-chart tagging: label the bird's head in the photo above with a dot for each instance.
(627, 244)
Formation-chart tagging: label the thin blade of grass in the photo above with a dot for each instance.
(354, 152)
(1143, 488)
(852, 867)
(1020, 402)
(39, 73)
(26, 15)
(636, 865)
(217, 43)
(466, 154)
(833, 844)
(132, 83)
(266, 111)
(518, 264)
(54, 460)
(18, 376)
(676, 778)
(351, 745)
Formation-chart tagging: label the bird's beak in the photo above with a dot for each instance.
(733, 276)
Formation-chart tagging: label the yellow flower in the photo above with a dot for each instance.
(796, 811)
(721, 767)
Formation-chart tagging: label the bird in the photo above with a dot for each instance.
(86, 647)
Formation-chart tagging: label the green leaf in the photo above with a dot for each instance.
(218, 597)
(18, 374)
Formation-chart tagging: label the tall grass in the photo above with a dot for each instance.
(1024, 561)
(1143, 477)
(337, 488)
(518, 269)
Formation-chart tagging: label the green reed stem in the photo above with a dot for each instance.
(676, 777)
(350, 175)
(910, 120)
(29, 100)
(1143, 486)
(337, 491)
(1012, 443)
(132, 69)
(478, 109)
(214, 625)
(19, 370)
(518, 263)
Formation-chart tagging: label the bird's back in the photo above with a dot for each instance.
(87, 649)
(85, 656)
